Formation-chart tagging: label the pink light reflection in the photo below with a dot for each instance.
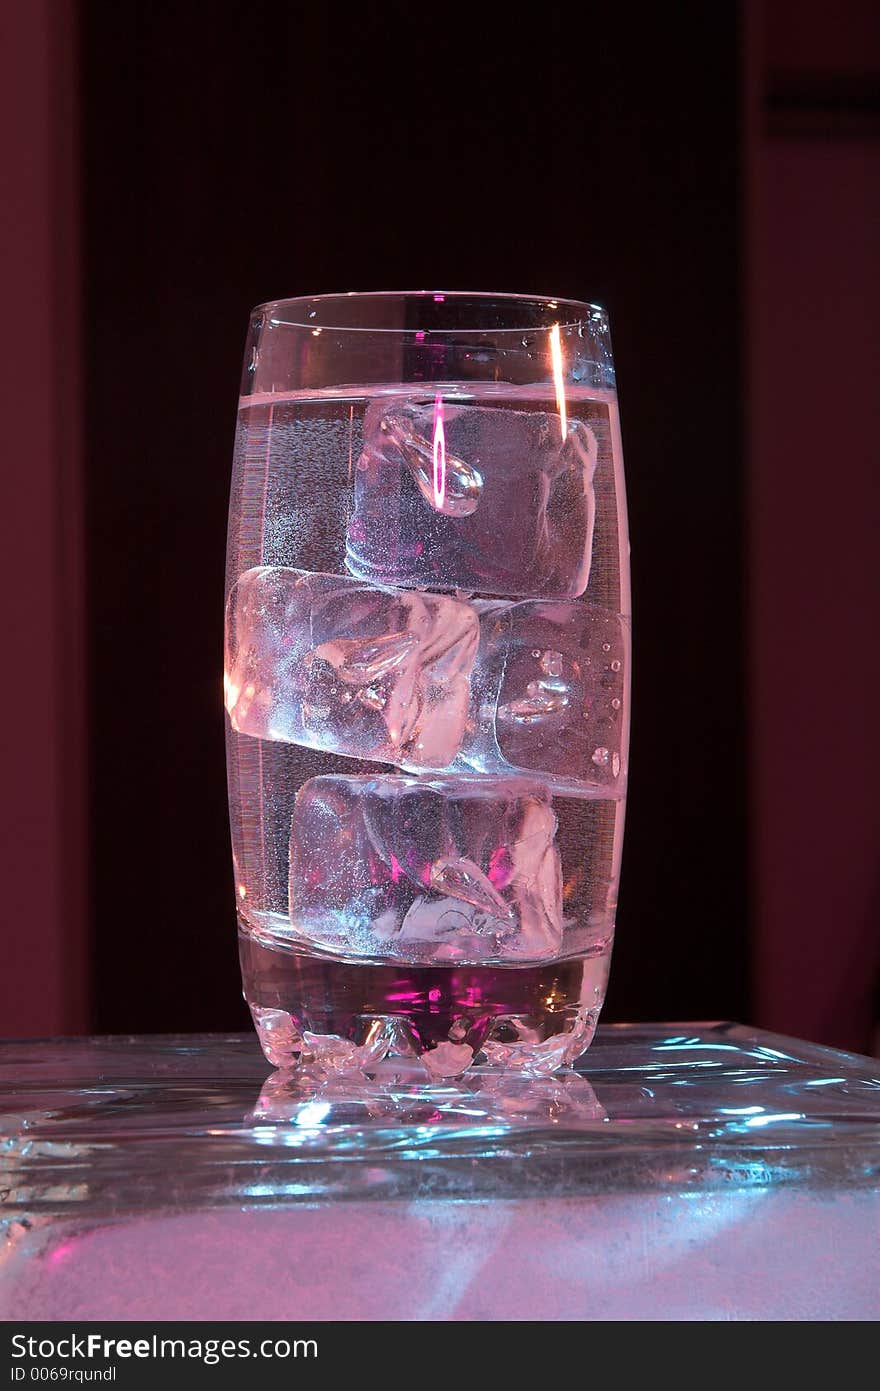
(439, 299)
(500, 867)
(61, 1252)
(439, 455)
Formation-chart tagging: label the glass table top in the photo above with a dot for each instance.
(126, 1125)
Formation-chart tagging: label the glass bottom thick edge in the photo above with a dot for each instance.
(344, 1017)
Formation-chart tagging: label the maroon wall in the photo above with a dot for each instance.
(44, 976)
(814, 511)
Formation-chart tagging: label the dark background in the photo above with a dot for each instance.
(238, 154)
(709, 172)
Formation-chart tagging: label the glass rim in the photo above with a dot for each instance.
(572, 312)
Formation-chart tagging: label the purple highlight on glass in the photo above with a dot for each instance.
(439, 447)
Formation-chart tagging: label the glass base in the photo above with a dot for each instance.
(343, 1017)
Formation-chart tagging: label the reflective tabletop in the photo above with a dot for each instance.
(115, 1137)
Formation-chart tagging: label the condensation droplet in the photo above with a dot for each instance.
(615, 704)
(536, 652)
(551, 663)
(615, 764)
(606, 646)
(600, 757)
(615, 665)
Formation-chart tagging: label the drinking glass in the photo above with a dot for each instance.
(427, 678)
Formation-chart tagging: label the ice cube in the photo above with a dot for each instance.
(562, 692)
(426, 869)
(513, 512)
(548, 693)
(341, 665)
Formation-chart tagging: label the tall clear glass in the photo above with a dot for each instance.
(427, 678)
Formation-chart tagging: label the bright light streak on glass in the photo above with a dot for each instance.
(278, 1190)
(556, 359)
(779, 1116)
(439, 455)
(312, 1113)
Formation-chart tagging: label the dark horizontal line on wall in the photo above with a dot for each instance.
(822, 105)
(821, 125)
(823, 91)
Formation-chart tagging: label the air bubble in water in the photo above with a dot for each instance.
(551, 663)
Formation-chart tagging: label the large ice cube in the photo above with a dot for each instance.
(505, 506)
(556, 709)
(548, 692)
(340, 665)
(426, 869)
